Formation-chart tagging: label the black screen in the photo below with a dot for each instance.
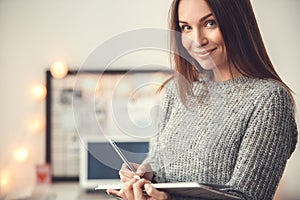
(104, 162)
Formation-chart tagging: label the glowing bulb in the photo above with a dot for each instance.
(39, 91)
(5, 178)
(59, 70)
(36, 124)
(21, 154)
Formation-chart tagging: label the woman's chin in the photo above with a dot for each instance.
(207, 64)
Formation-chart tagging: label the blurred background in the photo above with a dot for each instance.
(34, 34)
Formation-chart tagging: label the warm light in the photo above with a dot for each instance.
(59, 70)
(5, 179)
(36, 124)
(39, 91)
(21, 154)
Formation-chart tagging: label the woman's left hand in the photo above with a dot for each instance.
(139, 189)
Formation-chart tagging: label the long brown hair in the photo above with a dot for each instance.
(244, 44)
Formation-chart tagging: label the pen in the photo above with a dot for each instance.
(121, 155)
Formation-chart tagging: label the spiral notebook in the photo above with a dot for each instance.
(187, 189)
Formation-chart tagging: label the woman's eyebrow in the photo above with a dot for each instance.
(202, 19)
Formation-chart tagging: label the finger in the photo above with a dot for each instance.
(126, 179)
(116, 193)
(143, 168)
(125, 174)
(127, 189)
(145, 171)
(154, 193)
(138, 189)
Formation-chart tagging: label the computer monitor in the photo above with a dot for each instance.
(100, 164)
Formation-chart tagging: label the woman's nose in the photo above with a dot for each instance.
(199, 38)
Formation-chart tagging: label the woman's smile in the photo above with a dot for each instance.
(204, 54)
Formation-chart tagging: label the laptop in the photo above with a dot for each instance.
(100, 164)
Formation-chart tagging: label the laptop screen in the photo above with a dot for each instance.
(104, 162)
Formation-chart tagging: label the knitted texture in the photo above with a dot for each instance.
(238, 133)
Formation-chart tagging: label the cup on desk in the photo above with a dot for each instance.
(43, 173)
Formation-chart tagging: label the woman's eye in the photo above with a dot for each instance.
(185, 28)
(211, 23)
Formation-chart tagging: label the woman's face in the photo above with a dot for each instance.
(201, 35)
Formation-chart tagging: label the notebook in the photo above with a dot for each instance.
(187, 189)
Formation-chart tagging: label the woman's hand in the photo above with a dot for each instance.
(144, 170)
(139, 189)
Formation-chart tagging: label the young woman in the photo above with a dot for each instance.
(227, 116)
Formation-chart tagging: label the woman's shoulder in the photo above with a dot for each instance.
(269, 87)
(272, 91)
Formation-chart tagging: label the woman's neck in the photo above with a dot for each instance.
(225, 73)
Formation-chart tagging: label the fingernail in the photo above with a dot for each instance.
(107, 192)
(146, 186)
(137, 177)
(138, 170)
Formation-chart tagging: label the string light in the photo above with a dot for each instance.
(36, 124)
(5, 179)
(39, 91)
(21, 154)
(59, 70)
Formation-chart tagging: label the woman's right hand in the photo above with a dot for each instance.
(143, 170)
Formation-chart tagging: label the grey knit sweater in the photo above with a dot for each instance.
(238, 133)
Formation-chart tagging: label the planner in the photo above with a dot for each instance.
(186, 189)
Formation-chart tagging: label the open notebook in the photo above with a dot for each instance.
(187, 189)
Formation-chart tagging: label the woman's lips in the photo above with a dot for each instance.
(204, 54)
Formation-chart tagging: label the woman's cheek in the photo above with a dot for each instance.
(186, 43)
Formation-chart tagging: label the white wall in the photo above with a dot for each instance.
(279, 23)
(36, 33)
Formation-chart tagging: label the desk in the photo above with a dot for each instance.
(66, 191)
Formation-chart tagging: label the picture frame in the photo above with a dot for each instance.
(68, 117)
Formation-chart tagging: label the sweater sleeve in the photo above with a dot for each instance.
(267, 144)
(154, 156)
